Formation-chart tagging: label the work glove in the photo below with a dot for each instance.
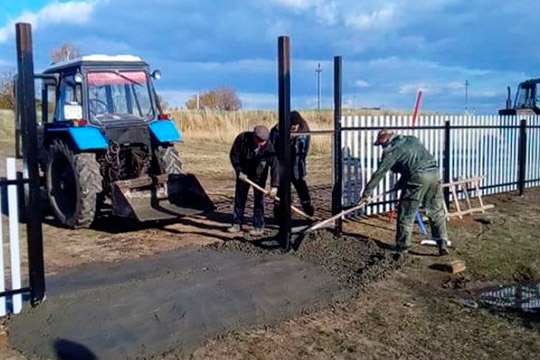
(242, 176)
(273, 192)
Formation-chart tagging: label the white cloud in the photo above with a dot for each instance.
(297, 4)
(361, 83)
(378, 19)
(72, 12)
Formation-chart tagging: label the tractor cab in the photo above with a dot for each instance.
(527, 101)
(100, 90)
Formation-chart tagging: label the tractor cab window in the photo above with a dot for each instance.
(537, 96)
(119, 95)
(70, 95)
(524, 97)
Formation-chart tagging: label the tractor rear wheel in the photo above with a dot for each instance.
(74, 183)
(169, 160)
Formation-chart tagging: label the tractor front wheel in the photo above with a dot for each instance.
(169, 160)
(74, 183)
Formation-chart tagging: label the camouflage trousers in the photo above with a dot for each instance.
(422, 188)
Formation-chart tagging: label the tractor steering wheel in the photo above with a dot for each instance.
(98, 103)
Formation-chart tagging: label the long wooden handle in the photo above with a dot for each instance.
(266, 192)
(360, 205)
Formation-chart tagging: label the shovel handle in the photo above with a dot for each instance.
(266, 192)
(360, 205)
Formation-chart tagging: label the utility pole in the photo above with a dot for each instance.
(467, 96)
(318, 71)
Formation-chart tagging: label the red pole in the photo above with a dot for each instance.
(417, 107)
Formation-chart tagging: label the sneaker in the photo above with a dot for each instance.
(443, 247)
(234, 228)
(256, 232)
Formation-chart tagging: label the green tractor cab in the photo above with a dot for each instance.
(527, 101)
(106, 143)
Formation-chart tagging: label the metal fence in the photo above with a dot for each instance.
(504, 149)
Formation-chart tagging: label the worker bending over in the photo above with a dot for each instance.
(251, 156)
(419, 182)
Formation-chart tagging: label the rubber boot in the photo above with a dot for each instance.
(443, 247)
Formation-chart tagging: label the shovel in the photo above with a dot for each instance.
(266, 192)
(357, 207)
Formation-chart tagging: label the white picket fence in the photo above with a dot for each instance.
(14, 301)
(488, 151)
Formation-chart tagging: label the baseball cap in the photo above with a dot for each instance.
(383, 136)
(261, 132)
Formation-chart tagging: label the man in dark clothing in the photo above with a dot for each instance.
(251, 156)
(419, 182)
(299, 151)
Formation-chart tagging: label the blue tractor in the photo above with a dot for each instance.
(107, 147)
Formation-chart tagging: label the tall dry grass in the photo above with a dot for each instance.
(223, 126)
(7, 125)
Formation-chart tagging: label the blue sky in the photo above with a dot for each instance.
(390, 48)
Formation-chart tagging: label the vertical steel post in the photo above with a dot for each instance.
(522, 156)
(27, 106)
(284, 151)
(337, 191)
(446, 161)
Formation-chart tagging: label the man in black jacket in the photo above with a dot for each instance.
(251, 157)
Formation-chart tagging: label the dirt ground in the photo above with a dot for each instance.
(414, 314)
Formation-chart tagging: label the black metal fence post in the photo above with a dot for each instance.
(522, 156)
(27, 107)
(337, 191)
(284, 90)
(446, 161)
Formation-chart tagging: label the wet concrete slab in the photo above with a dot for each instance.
(170, 302)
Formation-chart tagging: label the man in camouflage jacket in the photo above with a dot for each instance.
(419, 183)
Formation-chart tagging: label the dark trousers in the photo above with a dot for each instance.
(302, 190)
(240, 199)
(303, 193)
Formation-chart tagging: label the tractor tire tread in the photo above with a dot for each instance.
(169, 160)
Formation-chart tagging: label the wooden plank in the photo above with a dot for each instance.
(471, 211)
(456, 201)
(479, 194)
(463, 181)
(455, 266)
(465, 190)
